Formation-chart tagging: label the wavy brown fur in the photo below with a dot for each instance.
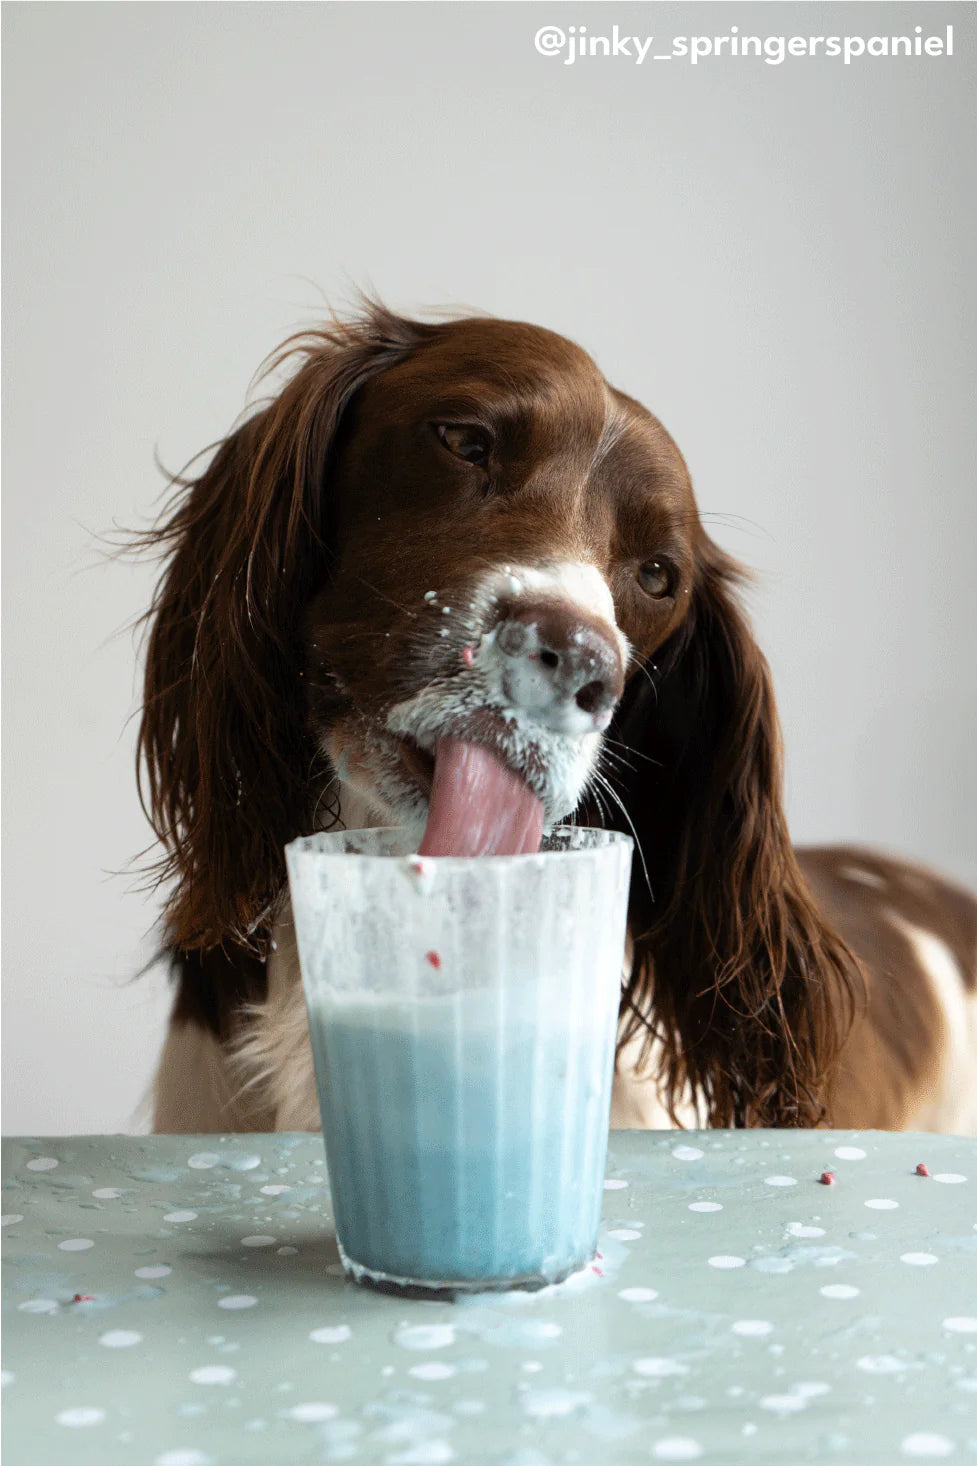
(750, 991)
(227, 755)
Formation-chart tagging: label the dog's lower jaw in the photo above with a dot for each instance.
(557, 767)
(376, 790)
(372, 790)
(362, 808)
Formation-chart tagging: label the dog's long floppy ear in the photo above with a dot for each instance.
(750, 991)
(223, 742)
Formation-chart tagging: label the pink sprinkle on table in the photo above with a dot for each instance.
(922, 1169)
(468, 656)
(434, 960)
(827, 1178)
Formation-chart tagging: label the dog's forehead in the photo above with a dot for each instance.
(497, 363)
(517, 374)
(638, 455)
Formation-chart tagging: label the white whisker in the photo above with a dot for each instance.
(612, 794)
(636, 751)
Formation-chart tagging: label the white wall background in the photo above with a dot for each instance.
(776, 259)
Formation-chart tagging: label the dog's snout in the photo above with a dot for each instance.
(559, 666)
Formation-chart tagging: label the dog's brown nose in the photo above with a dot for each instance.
(562, 669)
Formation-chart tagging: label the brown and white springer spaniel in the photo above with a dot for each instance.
(450, 577)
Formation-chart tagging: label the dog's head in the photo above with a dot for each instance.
(510, 539)
(453, 576)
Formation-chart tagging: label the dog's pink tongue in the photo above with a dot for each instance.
(478, 806)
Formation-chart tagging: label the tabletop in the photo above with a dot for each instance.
(178, 1301)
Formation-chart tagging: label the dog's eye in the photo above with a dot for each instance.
(470, 443)
(657, 579)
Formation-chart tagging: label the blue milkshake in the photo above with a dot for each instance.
(463, 1014)
(466, 1143)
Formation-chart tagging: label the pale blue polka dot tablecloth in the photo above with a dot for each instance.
(178, 1301)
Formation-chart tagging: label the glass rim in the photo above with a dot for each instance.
(308, 845)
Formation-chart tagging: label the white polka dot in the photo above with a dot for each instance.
(183, 1458)
(809, 1389)
(780, 1181)
(542, 1328)
(204, 1160)
(7, 1377)
(433, 1370)
(425, 1453)
(245, 1162)
(530, 1366)
(624, 1234)
(949, 1178)
(312, 1411)
(961, 1325)
(237, 1300)
(780, 1264)
(882, 1203)
(676, 1448)
(880, 1364)
(213, 1374)
(258, 1240)
(925, 1443)
(723, 1261)
(120, 1339)
(42, 1163)
(552, 1404)
(76, 1244)
(705, 1206)
(752, 1328)
(180, 1216)
(612, 1185)
(840, 1290)
(81, 1415)
(687, 1153)
(11, 1218)
(638, 1295)
(274, 1190)
(783, 1404)
(424, 1336)
(107, 1193)
(799, 1229)
(38, 1305)
(918, 1259)
(286, 1251)
(337, 1334)
(658, 1368)
(850, 1153)
(158, 1270)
